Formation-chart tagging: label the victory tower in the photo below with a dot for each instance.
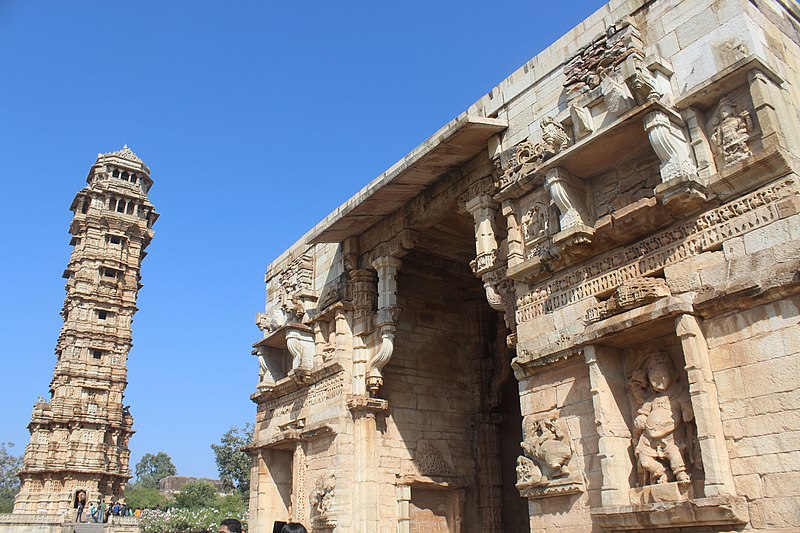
(79, 438)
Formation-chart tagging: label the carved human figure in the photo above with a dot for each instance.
(731, 132)
(661, 430)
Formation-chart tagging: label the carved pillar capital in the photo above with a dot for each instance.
(301, 345)
(569, 194)
(483, 208)
(388, 317)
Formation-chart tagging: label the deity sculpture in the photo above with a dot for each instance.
(323, 495)
(731, 132)
(546, 454)
(662, 430)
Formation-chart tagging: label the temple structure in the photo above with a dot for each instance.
(573, 308)
(79, 436)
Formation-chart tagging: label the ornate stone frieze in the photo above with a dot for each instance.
(601, 57)
(730, 131)
(632, 293)
(651, 255)
(481, 187)
(529, 155)
(316, 393)
(365, 292)
(544, 468)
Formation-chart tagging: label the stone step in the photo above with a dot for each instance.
(87, 528)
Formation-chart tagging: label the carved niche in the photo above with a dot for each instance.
(546, 466)
(729, 132)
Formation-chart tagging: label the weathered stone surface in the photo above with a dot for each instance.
(79, 437)
(619, 223)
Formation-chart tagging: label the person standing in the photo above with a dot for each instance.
(294, 527)
(80, 506)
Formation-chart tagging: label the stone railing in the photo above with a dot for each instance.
(33, 518)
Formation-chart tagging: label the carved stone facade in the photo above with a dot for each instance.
(79, 436)
(573, 308)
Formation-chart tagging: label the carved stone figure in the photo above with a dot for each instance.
(731, 132)
(554, 138)
(662, 434)
(535, 222)
(547, 452)
(324, 494)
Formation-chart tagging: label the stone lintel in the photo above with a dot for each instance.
(721, 510)
(642, 321)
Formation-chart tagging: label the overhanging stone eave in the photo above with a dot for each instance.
(454, 144)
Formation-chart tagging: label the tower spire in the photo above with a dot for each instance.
(79, 437)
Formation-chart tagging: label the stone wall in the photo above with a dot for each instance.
(617, 224)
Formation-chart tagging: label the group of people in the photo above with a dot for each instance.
(99, 512)
(231, 525)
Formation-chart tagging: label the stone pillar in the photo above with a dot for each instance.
(365, 473)
(386, 266)
(606, 375)
(490, 477)
(703, 393)
(483, 209)
(516, 247)
(403, 508)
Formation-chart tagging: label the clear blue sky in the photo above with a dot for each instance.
(257, 119)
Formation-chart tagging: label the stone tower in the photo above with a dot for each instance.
(79, 438)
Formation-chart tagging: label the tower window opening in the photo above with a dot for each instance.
(96, 354)
(115, 239)
(85, 205)
(115, 173)
(125, 176)
(102, 314)
(120, 206)
(110, 273)
(129, 208)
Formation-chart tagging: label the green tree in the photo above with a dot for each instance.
(9, 482)
(153, 468)
(200, 493)
(232, 462)
(145, 497)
